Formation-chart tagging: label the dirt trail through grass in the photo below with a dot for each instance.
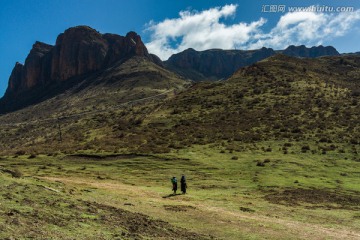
(233, 219)
(299, 229)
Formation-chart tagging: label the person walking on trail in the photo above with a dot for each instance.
(174, 183)
(183, 184)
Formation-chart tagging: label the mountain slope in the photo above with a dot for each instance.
(281, 99)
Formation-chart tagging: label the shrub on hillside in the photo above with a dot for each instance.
(355, 94)
(20, 152)
(306, 148)
(16, 173)
(260, 164)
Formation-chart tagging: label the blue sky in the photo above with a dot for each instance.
(170, 26)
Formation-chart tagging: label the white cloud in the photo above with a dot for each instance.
(308, 28)
(205, 30)
(199, 30)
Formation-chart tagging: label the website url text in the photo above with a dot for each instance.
(323, 8)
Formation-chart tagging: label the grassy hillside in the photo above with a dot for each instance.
(281, 100)
(271, 153)
(82, 110)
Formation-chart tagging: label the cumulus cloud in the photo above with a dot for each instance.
(199, 30)
(308, 28)
(206, 30)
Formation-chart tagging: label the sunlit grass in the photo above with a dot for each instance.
(226, 196)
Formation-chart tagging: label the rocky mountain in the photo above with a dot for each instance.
(217, 64)
(78, 53)
(313, 52)
(83, 53)
(214, 64)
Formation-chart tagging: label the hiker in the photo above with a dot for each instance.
(183, 184)
(174, 183)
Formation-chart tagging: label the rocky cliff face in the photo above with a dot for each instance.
(217, 64)
(79, 50)
(31, 73)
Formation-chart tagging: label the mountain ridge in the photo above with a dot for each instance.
(215, 64)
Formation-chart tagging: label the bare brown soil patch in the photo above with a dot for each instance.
(178, 208)
(317, 197)
(140, 225)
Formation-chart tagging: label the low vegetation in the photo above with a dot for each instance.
(272, 152)
(123, 196)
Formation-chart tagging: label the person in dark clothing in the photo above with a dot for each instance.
(183, 184)
(174, 183)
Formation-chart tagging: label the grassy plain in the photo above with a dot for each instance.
(252, 194)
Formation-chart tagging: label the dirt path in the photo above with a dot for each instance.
(295, 228)
(300, 229)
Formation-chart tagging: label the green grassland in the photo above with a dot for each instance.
(297, 195)
(271, 153)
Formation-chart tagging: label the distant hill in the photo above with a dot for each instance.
(313, 52)
(217, 64)
(355, 53)
(214, 64)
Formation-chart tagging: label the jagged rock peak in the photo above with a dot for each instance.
(40, 46)
(132, 34)
(78, 33)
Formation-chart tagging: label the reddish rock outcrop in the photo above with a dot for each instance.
(79, 50)
(15, 78)
(32, 73)
(120, 47)
(33, 68)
